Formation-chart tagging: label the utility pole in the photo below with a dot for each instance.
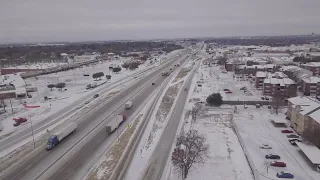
(11, 105)
(34, 144)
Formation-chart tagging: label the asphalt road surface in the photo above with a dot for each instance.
(91, 132)
(161, 152)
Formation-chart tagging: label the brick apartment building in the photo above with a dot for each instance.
(314, 67)
(253, 69)
(310, 86)
(273, 83)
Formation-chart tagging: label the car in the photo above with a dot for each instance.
(185, 89)
(243, 88)
(245, 106)
(266, 98)
(285, 175)
(229, 92)
(153, 83)
(278, 164)
(293, 140)
(265, 146)
(87, 102)
(262, 98)
(272, 156)
(286, 131)
(96, 95)
(226, 89)
(293, 136)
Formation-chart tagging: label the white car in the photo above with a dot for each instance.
(265, 146)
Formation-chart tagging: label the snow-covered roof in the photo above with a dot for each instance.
(315, 115)
(312, 64)
(303, 100)
(14, 79)
(261, 74)
(311, 151)
(311, 79)
(281, 82)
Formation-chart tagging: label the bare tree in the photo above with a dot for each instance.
(195, 111)
(191, 150)
(277, 101)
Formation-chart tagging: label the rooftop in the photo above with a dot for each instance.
(311, 151)
(312, 64)
(311, 79)
(261, 74)
(14, 79)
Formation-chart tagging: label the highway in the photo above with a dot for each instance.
(90, 135)
(162, 151)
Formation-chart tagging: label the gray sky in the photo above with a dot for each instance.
(80, 20)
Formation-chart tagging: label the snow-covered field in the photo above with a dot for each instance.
(256, 128)
(226, 159)
(214, 79)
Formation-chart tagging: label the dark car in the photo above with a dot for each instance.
(293, 141)
(226, 89)
(285, 175)
(96, 95)
(286, 131)
(153, 83)
(293, 136)
(278, 164)
(272, 156)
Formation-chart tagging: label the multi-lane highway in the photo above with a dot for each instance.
(65, 160)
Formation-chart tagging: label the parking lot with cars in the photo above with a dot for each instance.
(271, 146)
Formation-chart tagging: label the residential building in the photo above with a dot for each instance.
(304, 113)
(285, 87)
(260, 76)
(314, 67)
(310, 86)
(298, 110)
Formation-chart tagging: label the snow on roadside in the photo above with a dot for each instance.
(109, 162)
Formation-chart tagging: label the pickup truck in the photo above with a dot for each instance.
(57, 137)
(115, 123)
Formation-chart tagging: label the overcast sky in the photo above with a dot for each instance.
(82, 20)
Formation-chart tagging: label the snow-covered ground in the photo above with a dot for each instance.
(256, 127)
(37, 66)
(215, 79)
(226, 160)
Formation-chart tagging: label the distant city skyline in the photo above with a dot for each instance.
(43, 21)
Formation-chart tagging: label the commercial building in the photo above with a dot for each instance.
(310, 86)
(314, 67)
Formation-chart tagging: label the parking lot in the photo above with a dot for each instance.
(256, 127)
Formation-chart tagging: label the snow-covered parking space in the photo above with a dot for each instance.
(215, 79)
(255, 127)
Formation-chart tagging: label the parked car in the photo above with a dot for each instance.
(262, 98)
(245, 106)
(293, 136)
(226, 89)
(286, 131)
(153, 83)
(229, 92)
(19, 120)
(272, 156)
(265, 146)
(185, 89)
(87, 102)
(96, 95)
(278, 164)
(266, 98)
(243, 88)
(284, 175)
(293, 140)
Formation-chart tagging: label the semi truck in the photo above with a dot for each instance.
(128, 105)
(115, 123)
(58, 136)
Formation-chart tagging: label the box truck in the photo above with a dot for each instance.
(57, 137)
(114, 123)
(128, 105)
(1, 126)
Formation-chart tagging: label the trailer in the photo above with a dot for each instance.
(58, 136)
(115, 123)
(128, 105)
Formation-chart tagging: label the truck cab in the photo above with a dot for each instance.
(52, 142)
